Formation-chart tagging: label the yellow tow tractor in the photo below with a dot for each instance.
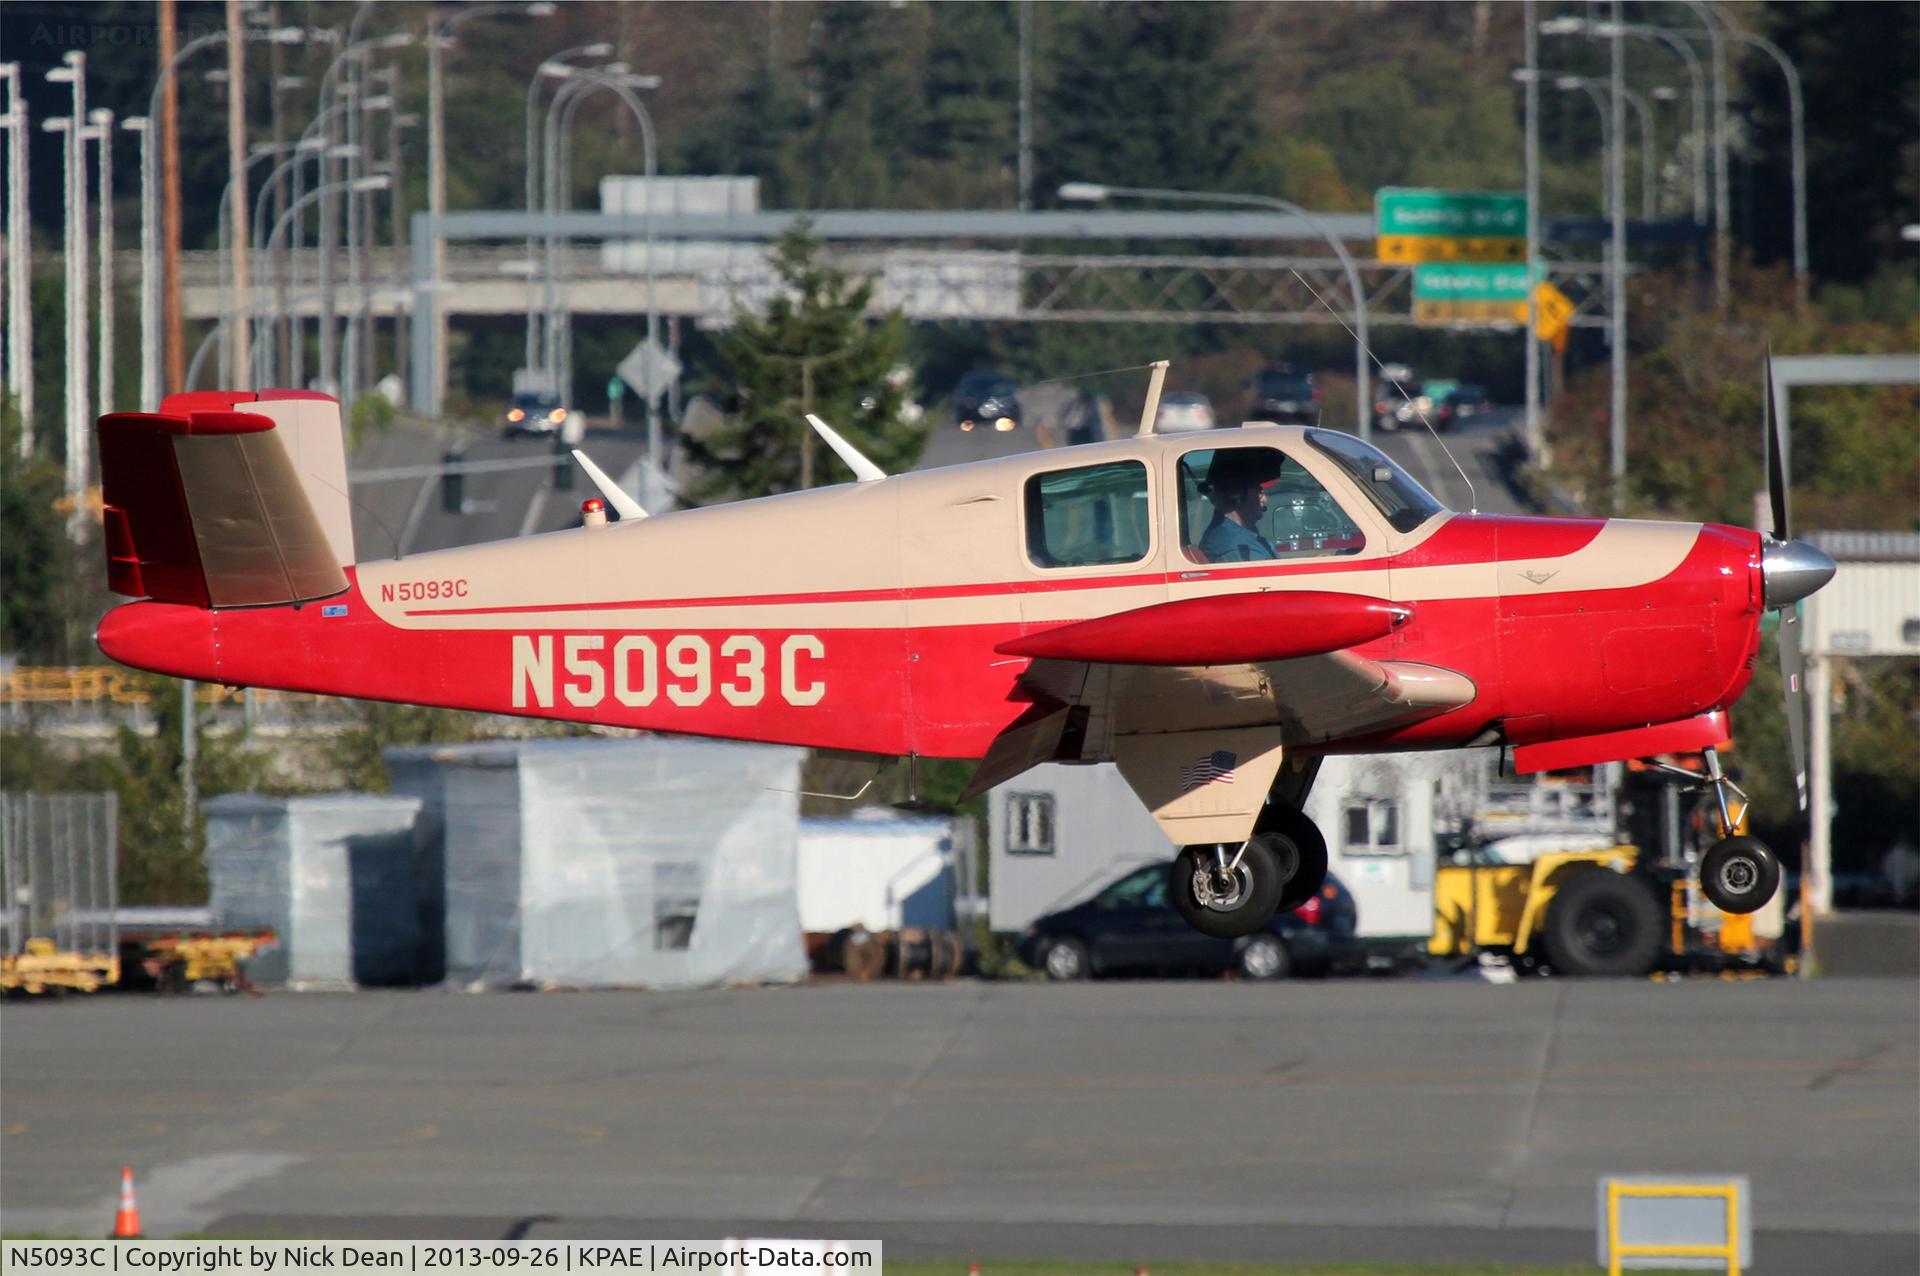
(1610, 911)
(1575, 912)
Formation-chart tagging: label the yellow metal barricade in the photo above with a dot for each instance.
(1729, 1252)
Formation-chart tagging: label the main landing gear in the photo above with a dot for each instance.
(1738, 874)
(1228, 891)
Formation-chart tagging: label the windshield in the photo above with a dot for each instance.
(1404, 502)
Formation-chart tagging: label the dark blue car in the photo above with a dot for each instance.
(1130, 927)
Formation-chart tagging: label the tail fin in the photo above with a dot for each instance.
(227, 499)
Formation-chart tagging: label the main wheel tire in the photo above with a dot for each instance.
(1066, 960)
(1602, 923)
(1739, 874)
(1264, 957)
(1230, 906)
(1310, 867)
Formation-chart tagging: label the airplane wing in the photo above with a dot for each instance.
(1139, 674)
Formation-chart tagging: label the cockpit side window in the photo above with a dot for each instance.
(1257, 504)
(1403, 502)
(1089, 515)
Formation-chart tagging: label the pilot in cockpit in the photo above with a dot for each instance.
(1236, 486)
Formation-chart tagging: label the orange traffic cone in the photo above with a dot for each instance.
(126, 1220)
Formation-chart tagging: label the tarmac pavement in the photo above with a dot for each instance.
(1327, 1121)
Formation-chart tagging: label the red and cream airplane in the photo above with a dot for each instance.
(1213, 612)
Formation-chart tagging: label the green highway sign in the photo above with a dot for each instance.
(1400, 210)
(1471, 281)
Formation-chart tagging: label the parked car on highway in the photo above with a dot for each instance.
(1284, 395)
(1131, 927)
(1463, 403)
(1183, 410)
(986, 398)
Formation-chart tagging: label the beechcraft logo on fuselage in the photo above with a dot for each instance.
(635, 670)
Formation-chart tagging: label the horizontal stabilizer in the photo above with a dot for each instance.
(1224, 629)
(205, 506)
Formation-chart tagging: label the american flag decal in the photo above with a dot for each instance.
(1216, 767)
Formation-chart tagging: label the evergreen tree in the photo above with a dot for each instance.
(814, 350)
(51, 590)
(964, 152)
(1147, 94)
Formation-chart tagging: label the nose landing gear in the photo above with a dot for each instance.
(1738, 874)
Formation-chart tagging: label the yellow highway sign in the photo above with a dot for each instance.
(1426, 248)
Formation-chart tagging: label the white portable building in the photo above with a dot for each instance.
(332, 875)
(879, 871)
(658, 862)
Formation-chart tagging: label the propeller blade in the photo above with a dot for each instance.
(1776, 461)
(1793, 690)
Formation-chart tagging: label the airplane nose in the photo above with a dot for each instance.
(1791, 570)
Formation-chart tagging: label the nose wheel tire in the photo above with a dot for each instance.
(1739, 874)
(1227, 900)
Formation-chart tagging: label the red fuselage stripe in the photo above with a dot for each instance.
(988, 590)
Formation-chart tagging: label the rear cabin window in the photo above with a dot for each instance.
(1090, 515)
(1257, 504)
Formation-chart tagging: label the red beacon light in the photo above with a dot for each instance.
(593, 512)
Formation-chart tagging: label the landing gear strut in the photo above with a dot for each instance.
(1737, 874)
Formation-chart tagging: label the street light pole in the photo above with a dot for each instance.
(1615, 199)
(19, 260)
(1617, 184)
(331, 372)
(288, 274)
(1097, 192)
(560, 318)
(350, 186)
(1797, 123)
(74, 73)
(1536, 440)
(570, 95)
(102, 134)
(232, 302)
(71, 254)
(149, 254)
(556, 67)
(1722, 197)
(307, 147)
(150, 339)
(437, 41)
(1643, 116)
(360, 244)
